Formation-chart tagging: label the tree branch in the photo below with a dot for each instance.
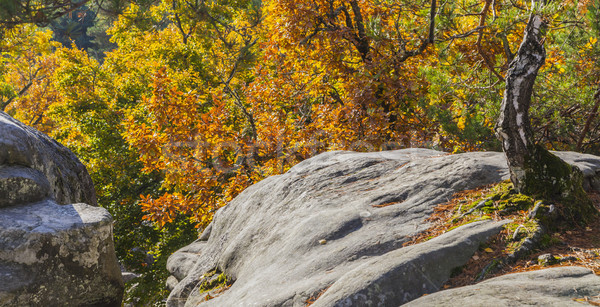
(589, 120)
(484, 56)
(424, 43)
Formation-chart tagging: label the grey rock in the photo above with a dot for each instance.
(24, 146)
(267, 239)
(364, 206)
(184, 260)
(58, 255)
(406, 274)
(206, 233)
(547, 259)
(54, 250)
(21, 185)
(171, 283)
(588, 164)
(549, 287)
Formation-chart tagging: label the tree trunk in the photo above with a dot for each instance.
(534, 170)
(513, 127)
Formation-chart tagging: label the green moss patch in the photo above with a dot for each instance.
(550, 178)
(536, 229)
(214, 283)
(501, 200)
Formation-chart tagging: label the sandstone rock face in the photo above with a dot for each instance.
(588, 164)
(23, 146)
(54, 249)
(405, 274)
(20, 185)
(560, 286)
(58, 255)
(338, 222)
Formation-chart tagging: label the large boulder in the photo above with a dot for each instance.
(24, 147)
(562, 286)
(407, 273)
(58, 255)
(56, 245)
(333, 227)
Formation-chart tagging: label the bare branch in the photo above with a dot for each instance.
(589, 120)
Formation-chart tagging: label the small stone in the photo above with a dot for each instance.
(323, 241)
(547, 259)
(171, 283)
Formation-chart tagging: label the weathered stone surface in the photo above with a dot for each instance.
(58, 255)
(267, 239)
(171, 283)
(588, 164)
(24, 146)
(21, 185)
(364, 206)
(559, 286)
(183, 261)
(405, 274)
(52, 252)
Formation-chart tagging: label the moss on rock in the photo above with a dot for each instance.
(213, 282)
(550, 178)
(503, 199)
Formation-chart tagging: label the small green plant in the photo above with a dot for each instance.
(214, 280)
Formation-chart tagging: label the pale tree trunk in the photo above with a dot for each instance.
(534, 170)
(513, 127)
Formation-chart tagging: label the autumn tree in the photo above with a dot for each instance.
(534, 170)
(199, 100)
(39, 12)
(26, 66)
(353, 65)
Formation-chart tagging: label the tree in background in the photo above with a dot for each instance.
(39, 12)
(72, 28)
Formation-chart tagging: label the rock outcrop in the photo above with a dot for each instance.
(561, 286)
(404, 274)
(56, 246)
(49, 162)
(333, 227)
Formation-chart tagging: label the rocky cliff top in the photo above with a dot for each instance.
(39, 167)
(335, 226)
(55, 250)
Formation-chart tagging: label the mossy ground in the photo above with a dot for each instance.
(501, 202)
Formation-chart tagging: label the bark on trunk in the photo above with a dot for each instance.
(534, 170)
(513, 127)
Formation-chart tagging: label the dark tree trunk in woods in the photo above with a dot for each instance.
(533, 169)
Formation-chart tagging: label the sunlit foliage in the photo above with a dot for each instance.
(200, 99)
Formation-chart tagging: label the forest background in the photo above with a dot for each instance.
(177, 106)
